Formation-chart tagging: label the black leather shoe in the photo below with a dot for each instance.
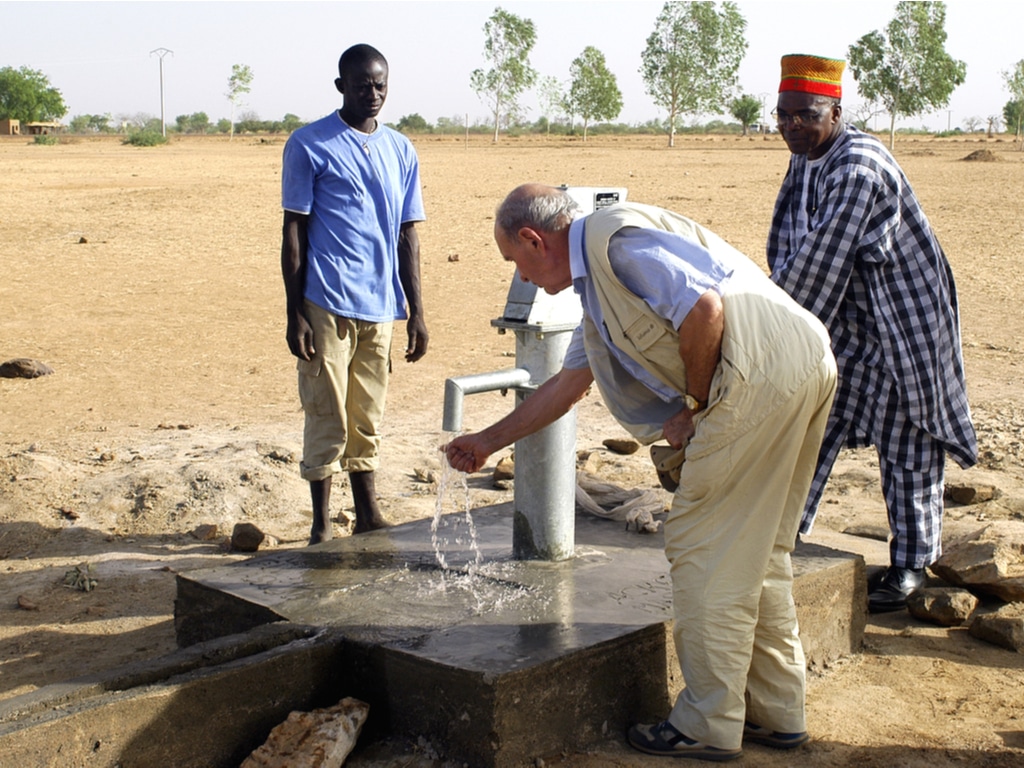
(892, 591)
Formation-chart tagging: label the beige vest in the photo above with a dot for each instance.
(769, 347)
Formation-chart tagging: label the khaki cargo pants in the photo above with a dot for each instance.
(343, 389)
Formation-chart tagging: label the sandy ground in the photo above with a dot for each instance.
(149, 280)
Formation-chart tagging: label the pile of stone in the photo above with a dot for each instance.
(984, 574)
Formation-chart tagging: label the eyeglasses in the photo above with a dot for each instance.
(803, 117)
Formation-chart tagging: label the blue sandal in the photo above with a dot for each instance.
(665, 739)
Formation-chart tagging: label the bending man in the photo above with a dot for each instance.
(689, 341)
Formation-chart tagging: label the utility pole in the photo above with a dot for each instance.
(161, 52)
(949, 120)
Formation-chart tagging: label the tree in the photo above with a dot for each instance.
(1012, 116)
(90, 124)
(692, 57)
(508, 41)
(239, 84)
(553, 101)
(197, 122)
(291, 122)
(414, 123)
(994, 124)
(746, 109)
(593, 89)
(26, 95)
(863, 113)
(972, 124)
(906, 68)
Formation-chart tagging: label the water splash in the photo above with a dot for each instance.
(453, 493)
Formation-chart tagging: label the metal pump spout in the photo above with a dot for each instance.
(455, 390)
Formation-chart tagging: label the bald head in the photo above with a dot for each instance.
(537, 206)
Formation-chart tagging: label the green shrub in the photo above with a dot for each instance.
(145, 138)
(48, 139)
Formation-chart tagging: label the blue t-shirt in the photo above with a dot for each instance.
(357, 189)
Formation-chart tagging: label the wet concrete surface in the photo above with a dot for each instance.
(388, 586)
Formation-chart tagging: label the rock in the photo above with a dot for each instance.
(988, 561)
(588, 461)
(945, 606)
(24, 368)
(1004, 627)
(27, 605)
(246, 537)
(621, 446)
(322, 738)
(281, 454)
(968, 493)
(205, 532)
(424, 475)
(875, 532)
(505, 469)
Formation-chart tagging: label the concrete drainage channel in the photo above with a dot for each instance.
(557, 656)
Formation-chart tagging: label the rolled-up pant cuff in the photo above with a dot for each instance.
(312, 474)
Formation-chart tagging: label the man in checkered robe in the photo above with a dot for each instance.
(850, 242)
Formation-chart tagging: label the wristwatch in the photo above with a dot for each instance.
(693, 403)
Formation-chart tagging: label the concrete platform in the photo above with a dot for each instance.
(522, 659)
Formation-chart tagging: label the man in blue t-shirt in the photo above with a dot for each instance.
(351, 266)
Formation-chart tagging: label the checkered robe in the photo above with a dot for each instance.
(872, 270)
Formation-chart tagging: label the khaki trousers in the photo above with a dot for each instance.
(728, 539)
(343, 390)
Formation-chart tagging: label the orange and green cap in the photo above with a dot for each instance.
(812, 74)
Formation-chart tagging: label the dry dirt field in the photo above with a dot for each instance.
(149, 280)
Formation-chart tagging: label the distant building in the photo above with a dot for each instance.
(41, 128)
(11, 127)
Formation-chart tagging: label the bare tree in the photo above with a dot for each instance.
(972, 124)
(994, 125)
(863, 113)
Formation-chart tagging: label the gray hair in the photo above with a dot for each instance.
(547, 209)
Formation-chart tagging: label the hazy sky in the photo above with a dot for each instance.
(98, 54)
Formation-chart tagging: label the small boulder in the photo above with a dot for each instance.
(24, 368)
(505, 469)
(874, 532)
(205, 532)
(246, 537)
(588, 461)
(621, 446)
(989, 561)
(1004, 627)
(322, 738)
(945, 606)
(970, 493)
